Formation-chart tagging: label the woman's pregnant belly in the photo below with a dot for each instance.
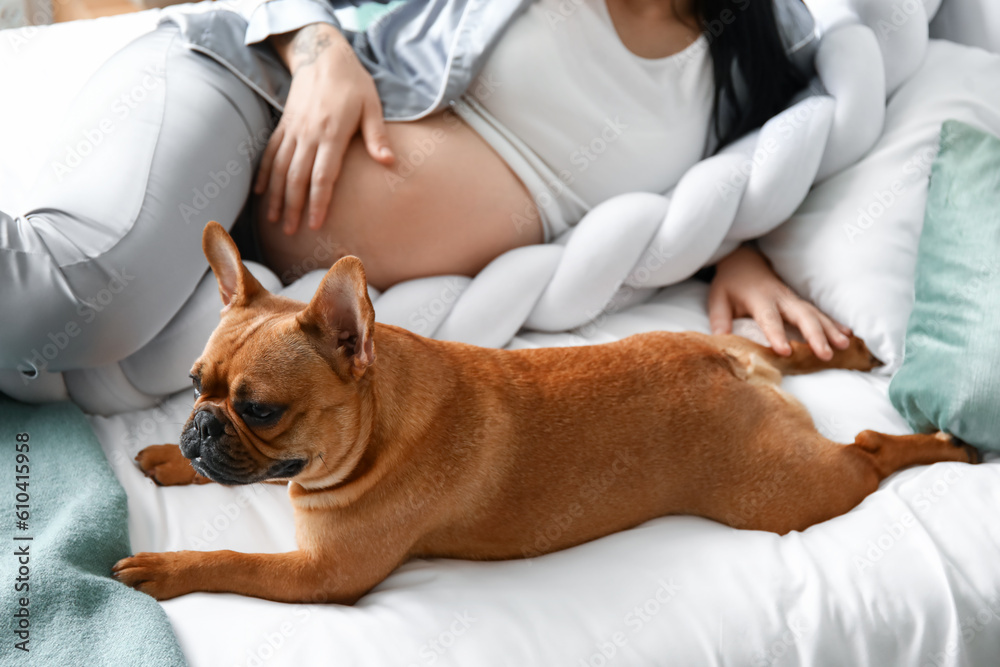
(448, 205)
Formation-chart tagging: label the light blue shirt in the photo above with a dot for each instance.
(423, 54)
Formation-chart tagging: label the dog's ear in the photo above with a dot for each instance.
(236, 284)
(343, 316)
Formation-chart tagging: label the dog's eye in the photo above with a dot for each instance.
(197, 386)
(259, 414)
(258, 411)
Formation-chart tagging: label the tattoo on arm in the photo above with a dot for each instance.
(307, 45)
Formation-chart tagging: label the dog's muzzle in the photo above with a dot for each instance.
(205, 429)
(204, 442)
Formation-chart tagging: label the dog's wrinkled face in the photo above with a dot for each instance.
(277, 373)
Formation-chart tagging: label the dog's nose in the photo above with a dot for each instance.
(208, 425)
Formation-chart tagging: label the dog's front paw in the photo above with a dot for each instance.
(160, 575)
(856, 357)
(165, 465)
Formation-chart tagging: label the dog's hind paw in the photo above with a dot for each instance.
(975, 456)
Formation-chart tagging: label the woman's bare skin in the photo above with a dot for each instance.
(447, 205)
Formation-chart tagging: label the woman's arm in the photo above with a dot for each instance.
(746, 285)
(331, 98)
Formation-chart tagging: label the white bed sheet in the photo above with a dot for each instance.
(910, 577)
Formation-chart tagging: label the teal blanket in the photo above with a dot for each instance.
(63, 527)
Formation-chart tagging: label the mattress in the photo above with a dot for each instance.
(909, 577)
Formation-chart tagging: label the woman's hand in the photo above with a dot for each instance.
(330, 98)
(745, 285)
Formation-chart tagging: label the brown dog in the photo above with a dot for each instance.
(445, 449)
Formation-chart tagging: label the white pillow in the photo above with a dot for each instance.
(972, 22)
(852, 246)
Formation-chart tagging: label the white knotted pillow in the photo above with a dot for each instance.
(851, 247)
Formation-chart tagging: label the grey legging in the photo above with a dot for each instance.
(108, 248)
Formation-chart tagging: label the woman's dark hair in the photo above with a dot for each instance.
(743, 35)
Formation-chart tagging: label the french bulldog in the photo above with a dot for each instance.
(397, 446)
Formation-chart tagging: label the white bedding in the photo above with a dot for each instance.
(908, 578)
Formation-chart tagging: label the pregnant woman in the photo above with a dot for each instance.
(507, 121)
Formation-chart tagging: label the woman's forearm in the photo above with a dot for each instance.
(332, 98)
(308, 44)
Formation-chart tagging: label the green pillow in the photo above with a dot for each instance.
(366, 14)
(950, 377)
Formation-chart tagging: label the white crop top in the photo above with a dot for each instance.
(563, 92)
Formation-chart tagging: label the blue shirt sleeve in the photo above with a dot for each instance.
(274, 17)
